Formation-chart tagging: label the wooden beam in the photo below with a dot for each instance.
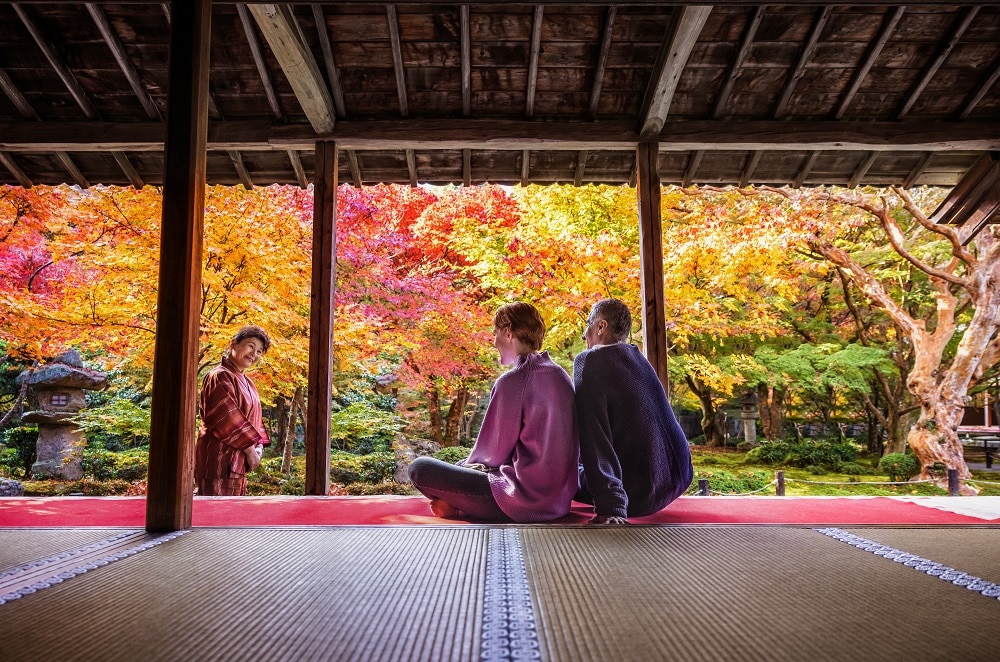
(241, 169)
(133, 175)
(467, 167)
(411, 166)
(213, 108)
(124, 63)
(961, 26)
(918, 170)
(800, 67)
(983, 176)
(300, 172)
(170, 479)
(278, 25)
(746, 41)
(72, 170)
(985, 87)
(352, 161)
(525, 166)
(258, 59)
(862, 169)
(686, 24)
(397, 60)
(336, 89)
(602, 62)
(747, 175)
(654, 330)
(581, 165)
(15, 96)
(465, 44)
(693, 164)
(64, 73)
(536, 47)
(807, 166)
(874, 50)
(8, 162)
(320, 378)
(517, 135)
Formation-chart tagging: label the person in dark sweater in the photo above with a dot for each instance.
(635, 457)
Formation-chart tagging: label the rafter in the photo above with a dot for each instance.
(685, 25)
(15, 96)
(978, 95)
(805, 169)
(126, 65)
(336, 89)
(465, 44)
(258, 59)
(8, 162)
(747, 175)
(693, 164)
(467, 167)
(525, 167)
(300, 172)
(411, 166)
(241, 169)
(862, 169)
(278, 25)
(918, 170)
(602, 62)
(352, 161)
(961, 26)
(133, 175)
(874, 50)
(975, 200)
(397, 60)
(536, 47)
(800, 67)
(71, 168)
(746, 41)
(581, 166)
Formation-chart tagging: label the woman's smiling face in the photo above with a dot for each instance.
(246, 352)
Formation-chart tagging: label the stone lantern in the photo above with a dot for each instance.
(749, 413)
(58, 389)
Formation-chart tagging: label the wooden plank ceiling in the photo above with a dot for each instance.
(791, 93)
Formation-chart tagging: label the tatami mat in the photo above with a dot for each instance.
(18, 546)
(974, 551)
(567, 593)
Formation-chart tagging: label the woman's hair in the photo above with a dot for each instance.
(617, 315)
(524, 321)
(253, 331)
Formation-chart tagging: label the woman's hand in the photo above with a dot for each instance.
(253, 455)
(600, 519)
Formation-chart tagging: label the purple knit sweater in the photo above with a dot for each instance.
(529, 438)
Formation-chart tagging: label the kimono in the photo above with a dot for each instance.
(231, 422)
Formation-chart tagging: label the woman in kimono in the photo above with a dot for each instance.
(233, 436)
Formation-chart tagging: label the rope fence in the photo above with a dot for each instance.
(780, 481)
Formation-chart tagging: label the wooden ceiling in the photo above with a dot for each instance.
(791, 93)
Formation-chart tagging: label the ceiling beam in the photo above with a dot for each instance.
(862, 169)
(974, 202)
(495, 134)
(336, 89)
(300, 172)
(71, 168)
(278, 25)
(465, 44)
(8, 162)
(467, 167)
(918, 170)
(747, 175)
(133, 175)
(536, 47)
(805, 169)
(397, 59)
(581, 166)
(746, 41)
(411, 166)
(685, 25)
(800, 67)
(874, 50)
(258, 59)
(692, 168)
(352, 161)
(525, 167)
(241, 169)
(126, 65)
(946, 48)
(985, 87)
(602, 62)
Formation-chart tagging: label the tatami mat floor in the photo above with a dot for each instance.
(514, 592)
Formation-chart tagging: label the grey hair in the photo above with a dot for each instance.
(617, 315)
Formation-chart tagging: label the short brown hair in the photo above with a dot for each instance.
(253, 331)
(524, 321)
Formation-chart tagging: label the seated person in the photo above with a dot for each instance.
(524, 466)
(635, 456)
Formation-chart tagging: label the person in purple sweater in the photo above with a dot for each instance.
(524, 465)
(636, 459)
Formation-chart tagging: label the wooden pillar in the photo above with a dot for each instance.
(321, 320)
(175, 362)
(654, 331)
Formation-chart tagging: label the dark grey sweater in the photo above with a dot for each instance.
(635, 456)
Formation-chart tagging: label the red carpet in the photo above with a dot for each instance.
(380, 510)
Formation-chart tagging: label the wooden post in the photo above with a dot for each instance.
(952, 482)
(321, 320)
(654, 330)
(702, 487)
(779, 488)
(170, 483)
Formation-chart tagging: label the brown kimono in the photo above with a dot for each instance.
(231, 421)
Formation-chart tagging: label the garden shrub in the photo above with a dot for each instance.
(348, 468)
(899, 467)
(19, 454)
(727, 482)
(452, 454)
(827, 454)
(362, 428)
(853, 469)
(129, 466)
(384, 487)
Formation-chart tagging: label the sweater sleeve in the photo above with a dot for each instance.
(597, 453)
(501, 427)
(222, 416)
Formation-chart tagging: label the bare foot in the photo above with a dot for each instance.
(443, 509)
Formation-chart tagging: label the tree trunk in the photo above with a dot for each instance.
(772, 411)
(281, 415)
(714, 437)
(453, 424)
(434, 411)
(297, 407)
